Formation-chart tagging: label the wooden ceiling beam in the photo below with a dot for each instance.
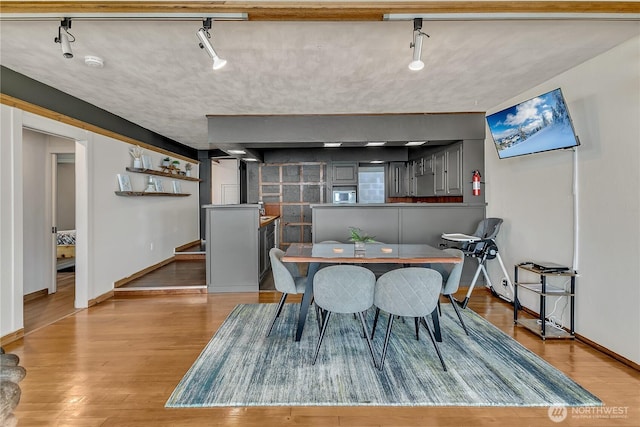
(317, 10)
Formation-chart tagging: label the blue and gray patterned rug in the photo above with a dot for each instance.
(241, 367)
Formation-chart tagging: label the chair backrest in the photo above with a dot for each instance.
(488, 228)
(451, 281)
(344, 288)
(410, 291)
(283, 274)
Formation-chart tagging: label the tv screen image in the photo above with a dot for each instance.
(532, 126)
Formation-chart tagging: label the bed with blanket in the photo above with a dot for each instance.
(66, 248)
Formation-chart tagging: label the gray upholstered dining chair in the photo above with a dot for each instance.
(344, 289)
(408, 292)
(286, 278)
(451, 280)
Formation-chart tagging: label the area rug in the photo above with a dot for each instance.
(240, 366)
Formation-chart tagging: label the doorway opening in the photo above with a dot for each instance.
(49, 225)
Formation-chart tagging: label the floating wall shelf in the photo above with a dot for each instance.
(142, 193)
(165, 174)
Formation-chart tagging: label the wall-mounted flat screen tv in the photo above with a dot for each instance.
(537, 124)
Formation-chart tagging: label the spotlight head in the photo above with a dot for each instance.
(63, 38)
(416, 65)
(65, 45)
(218, 63)
(203, 36)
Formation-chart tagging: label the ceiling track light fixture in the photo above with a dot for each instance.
(63, 38)
(418, 35)
(204, 36)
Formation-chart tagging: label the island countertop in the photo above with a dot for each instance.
(267, 219)
(397, 205)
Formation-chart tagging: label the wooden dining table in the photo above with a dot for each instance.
(373, 253)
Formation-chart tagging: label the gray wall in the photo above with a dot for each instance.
(282, 129)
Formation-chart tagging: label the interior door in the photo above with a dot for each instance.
(225, 182)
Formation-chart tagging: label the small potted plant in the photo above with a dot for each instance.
(166, 162)
(187, 169)
(136, 153)
(359, 238)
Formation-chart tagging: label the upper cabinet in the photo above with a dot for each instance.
(344, 173)
(397, 181)
(448, 171)
(454, 170)
(438, 173)
(425, 177)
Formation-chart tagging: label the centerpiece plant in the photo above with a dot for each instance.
(359, 237)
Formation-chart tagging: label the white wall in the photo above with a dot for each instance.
(132, 233)
(10, 220)
(37, 244)
(534, 196)
(115, 233)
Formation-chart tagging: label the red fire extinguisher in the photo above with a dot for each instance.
(475, 181)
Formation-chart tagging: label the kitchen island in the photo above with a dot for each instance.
(238, 243)
(398, 223)
(415, 223)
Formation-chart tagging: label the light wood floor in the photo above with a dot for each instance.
(47, 309)
(115, 364)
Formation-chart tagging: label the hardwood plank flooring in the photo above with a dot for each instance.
(47, 309)
(115, 364)
(183, 273)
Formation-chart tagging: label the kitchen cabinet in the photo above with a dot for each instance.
(448, 171)
(425, 177)
(397, 179)
(233, 249)
(412, 178)
(454, 170)
(344, 173)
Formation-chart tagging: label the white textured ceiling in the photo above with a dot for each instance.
(156, 76)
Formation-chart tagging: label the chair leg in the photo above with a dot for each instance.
(319, 317)
(375, 322)
(455, 307)
(417, 322)
(386, 342)
(435, 344)
(325, 321)
(436, 325)
(439, 308)
(278, 311)
(366, 334)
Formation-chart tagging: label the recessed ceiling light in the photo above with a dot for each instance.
(375, 144)
(248, 159)
(376, 161)
(237, 152)
(93, 61)
(332, 144)
(414, 143)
